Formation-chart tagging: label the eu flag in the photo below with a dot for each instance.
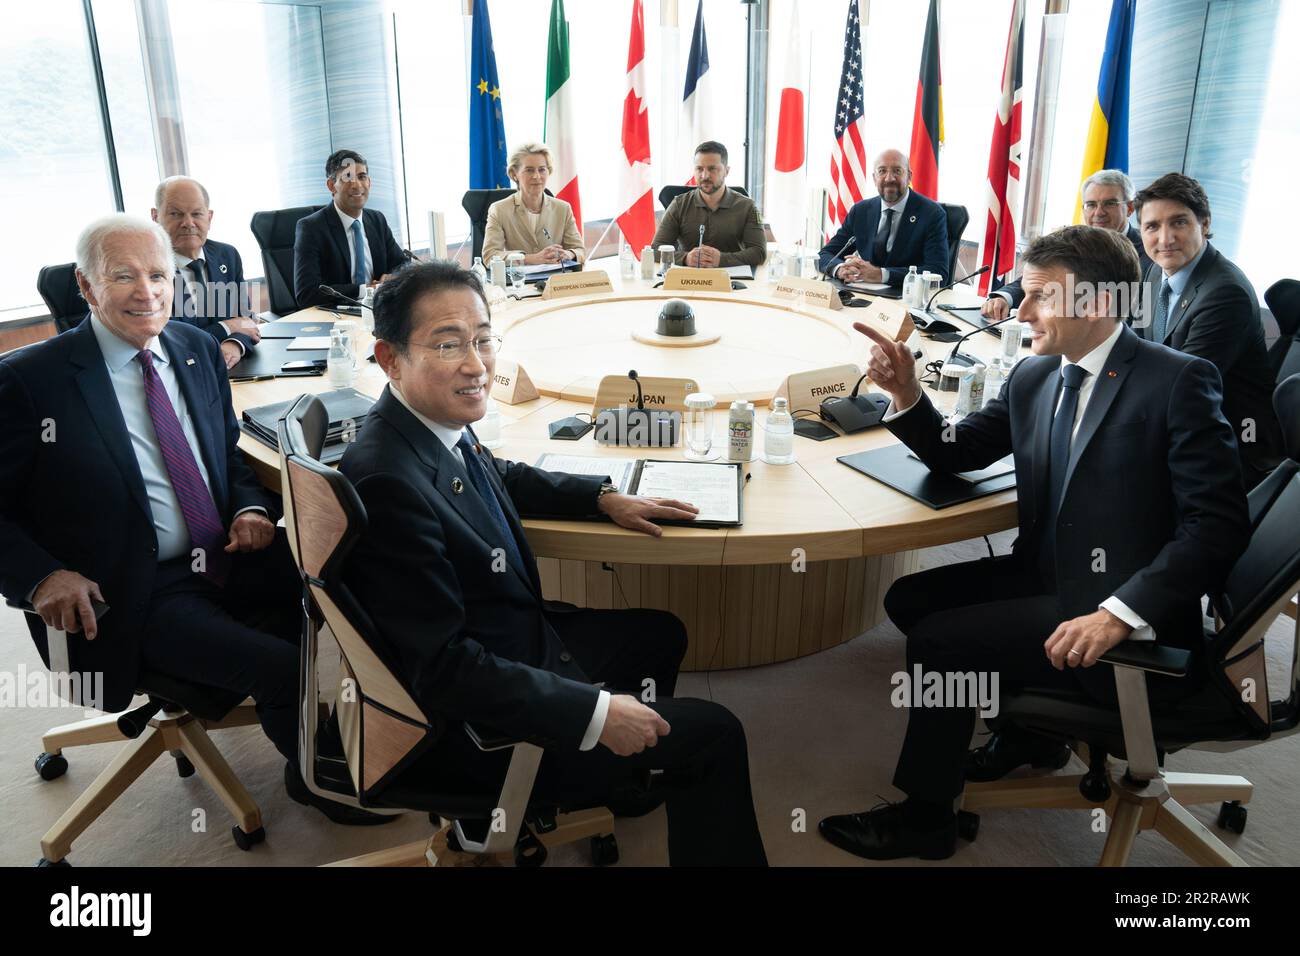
(487, 130)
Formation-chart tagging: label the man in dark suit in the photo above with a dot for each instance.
(121, 483)
(210, 291)
(446, 575)
(1198, 302)
(1108, 196)
(890, 232)
(1130, 509)
(344, 245)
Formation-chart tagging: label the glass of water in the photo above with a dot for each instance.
(1012, 335)
(515, 271)
(699, 427)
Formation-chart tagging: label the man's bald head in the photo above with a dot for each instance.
(892, 174)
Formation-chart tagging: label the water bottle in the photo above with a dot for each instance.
(1012, 335)
(994, 379)
(498, 267)
(339, 365)
(970, 392)
(778, 434)
(488, 428)
(775, 264)
(627, 261)
(647, 263)
(740, 431)
(479, 271)
(909, 289)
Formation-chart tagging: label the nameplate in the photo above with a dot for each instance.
(813, 292)
(810, 389)
(659, 393)
(685, 279)
(511, 384)
(577, 283)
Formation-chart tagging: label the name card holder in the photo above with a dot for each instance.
(511, 384)
(666, 394)
(587, 282)
(813, 291)
(686, 279)
(807, 390)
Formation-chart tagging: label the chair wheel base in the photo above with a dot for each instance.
(530, 853)
(183, 766)
(968, 825)
(604, 849)
(1232, 816)
(246, 841)
(42, 862)
(51, 766)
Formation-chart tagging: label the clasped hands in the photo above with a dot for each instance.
(703, 257)
(552, 253)
(856, 269)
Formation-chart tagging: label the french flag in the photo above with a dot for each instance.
(697, 121)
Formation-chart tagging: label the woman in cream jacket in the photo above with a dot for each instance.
(540, 226)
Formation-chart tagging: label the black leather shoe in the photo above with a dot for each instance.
(883, 833)
(1005, 751)
(338, 812)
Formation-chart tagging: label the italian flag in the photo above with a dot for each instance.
(557, 129)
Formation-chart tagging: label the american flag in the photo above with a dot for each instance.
(849, 156)
(999, 251)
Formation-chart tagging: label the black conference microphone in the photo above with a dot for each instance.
(856, 412)
(637, 426)
(843, 249)
(954, 282)
(336, 294)
(640, 398)
(927, 321)
(960, 359)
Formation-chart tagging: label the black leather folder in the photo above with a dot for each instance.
(896, 466)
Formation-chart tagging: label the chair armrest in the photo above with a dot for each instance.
(25, 606)
(1145, 656)
(489, 739)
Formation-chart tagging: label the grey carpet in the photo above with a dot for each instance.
(822, 737)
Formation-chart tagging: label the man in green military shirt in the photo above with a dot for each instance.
(733, 231)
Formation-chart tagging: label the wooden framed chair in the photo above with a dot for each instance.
(1227, 707)
(383, 728)
(176, 718)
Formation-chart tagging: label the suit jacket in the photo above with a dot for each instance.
(469, 642)
(1217, 318)
(50, 520)
(226, 296)
(921, 241)
(508, 229)
(1152, 481)
(321, 254)
(1016, 294)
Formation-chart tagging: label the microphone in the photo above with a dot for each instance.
(637, 426)
(852, 240)
(640, 399)
(956, 357)
(945, 288)
(856, 412)
(701, 243)
(336, 294)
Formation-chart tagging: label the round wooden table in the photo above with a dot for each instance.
(821, 543)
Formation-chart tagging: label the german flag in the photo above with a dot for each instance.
(927, 120)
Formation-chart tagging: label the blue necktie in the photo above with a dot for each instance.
(1059, 462)
(483, 485)
(1162, 313)
(358, 254)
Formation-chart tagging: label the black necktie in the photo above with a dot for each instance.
(478, 477)
(881, 247)
(197, 266)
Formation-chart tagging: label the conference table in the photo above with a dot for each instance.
(820, 543)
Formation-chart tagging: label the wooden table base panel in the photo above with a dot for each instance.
(742, 615)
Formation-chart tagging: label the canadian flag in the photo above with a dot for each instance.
(637, 221)
(787, 204)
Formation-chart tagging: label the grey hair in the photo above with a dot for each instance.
(1111, 177)
(90, 244)
(528, 149)
(160, 193)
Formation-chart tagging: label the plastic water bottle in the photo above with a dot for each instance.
(775, 264)
(909, 289)
(479, 271)
(778, 434)
(970, 392)
(1013, 333)
(498, 267)
(339, 366)
(647, 263)
(994, 379)
(740, 431)
(488, 428)
(627, 261)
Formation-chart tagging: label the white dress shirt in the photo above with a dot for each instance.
(449, 435)
(365, 244)
(1093, 363)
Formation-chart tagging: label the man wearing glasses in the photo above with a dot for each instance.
(446, 574)
(884, 236)
(343, 245)
(1108, 197)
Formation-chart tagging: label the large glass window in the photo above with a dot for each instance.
(51, 141)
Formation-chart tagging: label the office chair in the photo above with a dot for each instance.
(1226, 707)
(669, 193)
(1283, 299)
(176, 718)
(58, 288)
(476, 202)
(383, 728)
(958, 219)
(274, 232)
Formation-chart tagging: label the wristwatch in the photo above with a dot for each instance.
(606, 488)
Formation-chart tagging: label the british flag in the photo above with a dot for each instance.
(999, 251)
(849, 177)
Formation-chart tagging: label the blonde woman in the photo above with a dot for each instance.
(540, 226)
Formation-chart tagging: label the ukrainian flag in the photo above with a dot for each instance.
(1107, 145)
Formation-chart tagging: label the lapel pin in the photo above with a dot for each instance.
(1185, 303)
(912, 219)
(189, 361)
(1112, 374)
(223, 268)
(457, 486)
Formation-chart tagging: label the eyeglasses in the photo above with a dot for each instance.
(1107, 204)
(453, 351)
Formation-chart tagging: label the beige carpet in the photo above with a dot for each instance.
(822, 740)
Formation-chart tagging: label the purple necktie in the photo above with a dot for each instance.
(201, 518)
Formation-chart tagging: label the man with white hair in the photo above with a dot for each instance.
(1108, 196)
(121, 484)
(210, 291)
